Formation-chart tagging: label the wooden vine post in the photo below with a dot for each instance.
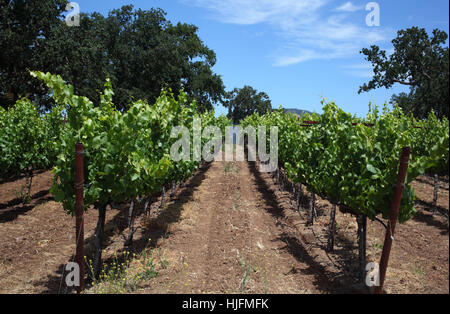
(79, 211)
(395, 206)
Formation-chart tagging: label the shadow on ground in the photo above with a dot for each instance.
(154, 229)
(11, 210)
(344, 259)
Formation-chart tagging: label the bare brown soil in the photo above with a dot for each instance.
(231, 229)
(419, 260)
(228, 239)
(36, 239)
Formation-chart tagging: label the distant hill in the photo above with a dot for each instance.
(298, 112)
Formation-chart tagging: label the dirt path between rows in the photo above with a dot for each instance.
(228, 240)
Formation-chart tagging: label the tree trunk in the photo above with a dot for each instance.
(436, 190)
(28, 181)
(163, 197)
(129, 240)
(146, 206)
(312, 199)
(98, 240)
(299, 195)
(362, 232)
(314, 206)
(280, 181)
(332, 229)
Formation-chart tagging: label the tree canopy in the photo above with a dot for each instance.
(139, 50)
(419, 61)
(242, 102)
(24, 27)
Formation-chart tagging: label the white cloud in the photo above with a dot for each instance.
(361, 73)
(362, 70)
(310, 29)
(358, 66)
(248, 12)
(302, 56)
(349, 7)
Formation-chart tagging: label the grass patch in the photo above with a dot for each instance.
(377, 246)
(129, 275)
(418, 269)
(247, 270)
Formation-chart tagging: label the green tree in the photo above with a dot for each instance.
(242, 102)
(139, 50)
(149, 53)
(79, 54)
(24, 27)
(419, 61)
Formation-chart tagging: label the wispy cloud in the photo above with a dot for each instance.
(310, 29)
(248, 12)
(361, 70)
(349, 7)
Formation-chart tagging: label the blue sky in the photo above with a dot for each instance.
(297, 51)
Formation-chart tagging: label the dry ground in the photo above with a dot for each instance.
(231, 229)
